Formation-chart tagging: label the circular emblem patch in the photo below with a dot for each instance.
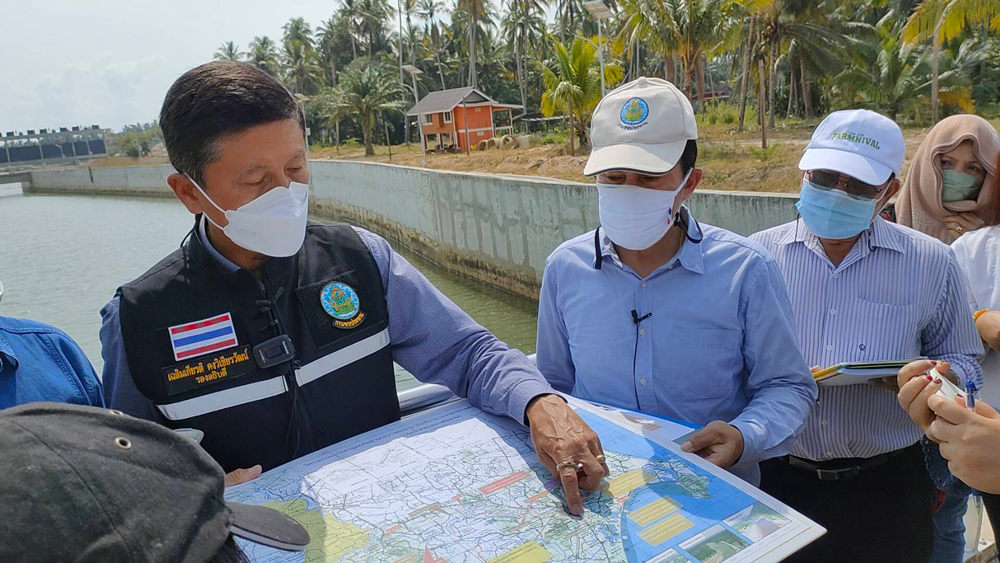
(635, 111)
(341, 302)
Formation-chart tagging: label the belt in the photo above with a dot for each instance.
(848, 469)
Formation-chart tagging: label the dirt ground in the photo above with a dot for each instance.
(731, 161)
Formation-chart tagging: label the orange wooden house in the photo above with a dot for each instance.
(461, 117)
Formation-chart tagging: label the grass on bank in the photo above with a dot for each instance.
(732, 161)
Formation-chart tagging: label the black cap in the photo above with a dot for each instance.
(88, 484)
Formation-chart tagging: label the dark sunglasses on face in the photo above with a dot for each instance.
(852, 186)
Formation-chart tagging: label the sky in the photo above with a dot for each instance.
(110, 62)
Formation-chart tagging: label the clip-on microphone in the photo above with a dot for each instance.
(637, 319)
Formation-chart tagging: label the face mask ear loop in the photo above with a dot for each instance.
(679, 217)
(684, 180)
(680, 220)
(221, 210)
(878, 213)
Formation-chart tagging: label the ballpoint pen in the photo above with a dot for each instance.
(970, 402)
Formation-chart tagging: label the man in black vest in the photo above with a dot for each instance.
(276, 336)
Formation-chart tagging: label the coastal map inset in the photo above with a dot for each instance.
(454, 484)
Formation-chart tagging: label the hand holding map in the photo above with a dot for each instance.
(718, 442)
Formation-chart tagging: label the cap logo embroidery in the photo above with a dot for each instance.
(634, 114)
(851, 137)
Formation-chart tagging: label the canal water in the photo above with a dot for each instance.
(62, 257)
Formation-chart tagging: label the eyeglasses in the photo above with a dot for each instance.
(852, 186)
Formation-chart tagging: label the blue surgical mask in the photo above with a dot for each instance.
(959, 186)
(832, 214)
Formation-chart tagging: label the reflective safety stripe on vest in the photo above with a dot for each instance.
(268, 388)
(343, 357)
(224, 399)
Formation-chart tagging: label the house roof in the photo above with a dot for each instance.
(446, 100)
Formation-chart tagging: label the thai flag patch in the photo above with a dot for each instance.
(203, 337)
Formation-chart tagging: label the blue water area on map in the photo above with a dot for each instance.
(722, 500)
(703, 513)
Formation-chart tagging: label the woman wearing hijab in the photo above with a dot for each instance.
(949, 192)
(949, 186)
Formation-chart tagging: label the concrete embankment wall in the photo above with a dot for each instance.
(494, 228)
(123, 181)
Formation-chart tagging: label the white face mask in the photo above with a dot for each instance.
(273, 224)
(636, 218)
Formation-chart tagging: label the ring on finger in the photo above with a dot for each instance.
(568, 465)
(600, 458)
(959, 229)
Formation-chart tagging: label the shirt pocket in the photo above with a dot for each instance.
(870, 331)
(700, 368)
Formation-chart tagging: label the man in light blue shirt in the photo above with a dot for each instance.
(658, 313)
(864, 289)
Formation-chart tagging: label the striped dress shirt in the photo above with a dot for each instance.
(898, 294)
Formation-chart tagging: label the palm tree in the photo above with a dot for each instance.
(428, 11)
(496, 78)
(365, 91)
(647, 21)
(350, 14)
(686, 28)
(326, 36)
(568, 14)
(374, 14)
(750, 22)
(942, 21)
(407, 35)
(263, 54)
(883, 75)
(476, 10)
(298, 30)
(524, 26)
(823, 38)
(894, 77)
(228, 51)
(573, 85)
(302, 69)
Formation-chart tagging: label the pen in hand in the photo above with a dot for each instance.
(970, 402)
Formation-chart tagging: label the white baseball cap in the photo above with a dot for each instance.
(642, 126)
(860, 143)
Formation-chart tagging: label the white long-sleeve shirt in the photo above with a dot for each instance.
(978, 255)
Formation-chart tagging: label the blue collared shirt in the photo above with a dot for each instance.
(41, 363)
(720, 344)
(430, 337)
(898, 294)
